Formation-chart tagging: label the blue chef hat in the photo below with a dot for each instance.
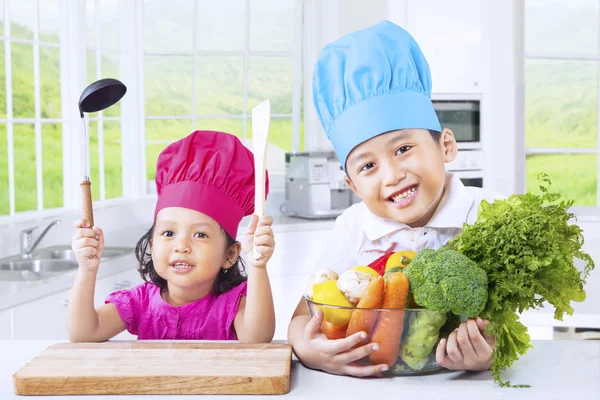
(370, 82)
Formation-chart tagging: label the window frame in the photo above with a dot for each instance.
(73, 74)
(297, 83)
(528, 55)
(99, 50)
(10, 121)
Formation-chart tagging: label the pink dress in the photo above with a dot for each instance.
(148, 316)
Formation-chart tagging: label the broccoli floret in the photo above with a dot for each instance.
(444, 280)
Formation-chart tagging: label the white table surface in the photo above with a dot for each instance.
(555, 370)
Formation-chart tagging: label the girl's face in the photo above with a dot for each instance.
(189, 249)
(400, 175)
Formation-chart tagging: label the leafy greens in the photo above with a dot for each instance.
(527, 247)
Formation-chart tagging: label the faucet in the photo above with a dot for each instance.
(26, 238)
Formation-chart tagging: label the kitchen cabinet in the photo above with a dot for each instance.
(296, 256)
(5, 325)
(120, 281)
(42, 319)
(128, 279)
(287, 291)
(123, 281)
(450, 35)
(448, 32)
(46, 318)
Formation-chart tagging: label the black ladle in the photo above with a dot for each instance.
(100, 95)
(97, 96)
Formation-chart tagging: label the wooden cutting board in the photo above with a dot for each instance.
(157, 368)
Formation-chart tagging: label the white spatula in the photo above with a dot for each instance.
(261, 119)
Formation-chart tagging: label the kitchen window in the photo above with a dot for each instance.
(562, 69)
(104, 127)
(188, 64)
(31, 174)
(206, 64)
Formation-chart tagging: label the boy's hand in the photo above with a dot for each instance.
(467, 348)
(259, 236)
(335, 356)
(88, 245)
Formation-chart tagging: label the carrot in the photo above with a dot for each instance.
(388, 330)
(364, 320)
(333, 331)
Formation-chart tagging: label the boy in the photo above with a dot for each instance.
(371, 90)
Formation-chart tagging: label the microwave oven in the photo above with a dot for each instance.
(462, 117)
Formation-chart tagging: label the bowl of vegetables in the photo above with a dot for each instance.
(407, 338)
(405, 302)
(518, 255)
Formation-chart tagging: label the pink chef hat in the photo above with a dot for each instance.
(210, 172)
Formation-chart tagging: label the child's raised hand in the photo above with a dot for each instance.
(467, 347)
(335, 356)
(259, 236)
(88, 245)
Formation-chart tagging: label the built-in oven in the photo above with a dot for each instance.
(470, 178)
(462, 117)
(476, 181)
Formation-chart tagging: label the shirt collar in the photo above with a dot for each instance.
(452, 212)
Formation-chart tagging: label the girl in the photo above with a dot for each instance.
(195, 286)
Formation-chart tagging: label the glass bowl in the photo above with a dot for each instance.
(407, 338)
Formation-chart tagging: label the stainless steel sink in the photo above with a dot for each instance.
(41, 266)
(33, 270)
(48, 262)
(65, 253)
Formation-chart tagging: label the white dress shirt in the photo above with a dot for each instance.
(359, 237)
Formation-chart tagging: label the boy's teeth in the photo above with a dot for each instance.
(404, 195)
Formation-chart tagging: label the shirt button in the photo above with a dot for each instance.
(411, 236)
(173, 311)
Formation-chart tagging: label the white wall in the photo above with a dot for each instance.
(503, 85)
(324, 22)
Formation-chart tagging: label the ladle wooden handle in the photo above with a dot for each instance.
(86, 202)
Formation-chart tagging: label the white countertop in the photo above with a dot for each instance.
(555, 370)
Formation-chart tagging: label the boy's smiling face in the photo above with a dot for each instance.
(400, 175)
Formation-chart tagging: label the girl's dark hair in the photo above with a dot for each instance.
(224, 282)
